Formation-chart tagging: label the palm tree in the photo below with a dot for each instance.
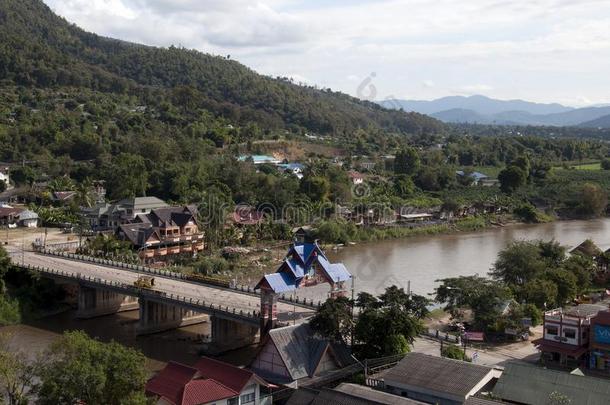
(84, 193)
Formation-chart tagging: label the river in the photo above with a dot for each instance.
(422, 260)
(418, 260)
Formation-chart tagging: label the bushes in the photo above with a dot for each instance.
(454, 352)
(211, 265)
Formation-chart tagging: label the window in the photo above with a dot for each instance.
(569, 333)
(233, 401)
(248, 398)
(552, 330)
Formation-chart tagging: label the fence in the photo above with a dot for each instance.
(195, 304)
(303, 302)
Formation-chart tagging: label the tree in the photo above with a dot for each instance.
(317, 188)
(80, 369)
(17, 373)
(127, 177)
(566, 282)
(403, 185)
(520, 262)
(334, 319)
(511, 179)
(407, 161)
(583, 267)
(606, 164)
(481, 295)
(594, 200)
(540, 292)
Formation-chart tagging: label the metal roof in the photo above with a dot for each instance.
(437, 374)
(528, 384)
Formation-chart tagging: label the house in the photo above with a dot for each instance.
(305, 265)
(164, 232)
(27, 219)
(5, 177)
(522, 383)
(8, 215)
(63, 196)
(259, 159)
(588, 249)
(294, 354)
(347, 393)
(209, 381)
(294, 168)
(599, 342)
(477, 177)
(412, 214)
(356, 177)
(566, 335)
(18, 217)
(438, 380)
(104, 216)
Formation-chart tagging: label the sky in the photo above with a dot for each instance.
(536, 50)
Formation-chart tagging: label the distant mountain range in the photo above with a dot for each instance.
(485, 110)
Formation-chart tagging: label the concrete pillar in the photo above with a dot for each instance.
(228, 334)
(268, 312)
(156, 317)
(93, 302)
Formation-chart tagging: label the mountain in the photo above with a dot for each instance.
(484, 110)
(480, 104)
(39, 49)
(602, 122)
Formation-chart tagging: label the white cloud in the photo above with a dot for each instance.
(543, 50)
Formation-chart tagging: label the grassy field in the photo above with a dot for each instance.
(584, 166)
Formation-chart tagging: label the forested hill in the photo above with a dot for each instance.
(41, 49)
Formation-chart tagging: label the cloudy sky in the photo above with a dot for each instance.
(539, 50)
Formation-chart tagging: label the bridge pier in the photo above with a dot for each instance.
(157, 317)
(93, 302)
(228, 334)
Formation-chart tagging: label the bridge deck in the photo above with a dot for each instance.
(215, 296)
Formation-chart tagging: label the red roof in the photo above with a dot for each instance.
(170, 382)
(233, 377)
(199, 392)
(207, 381)
(7, 212)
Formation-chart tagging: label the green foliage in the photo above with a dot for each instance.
(80, 369)
(512, 178)
(407, 162)
(334, 319)
(454, 352)
(10, 313)
(594, 200)
(605, 165)
(483, 296)
(209, 265)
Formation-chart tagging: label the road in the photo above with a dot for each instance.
(489, 356)
(211, 295)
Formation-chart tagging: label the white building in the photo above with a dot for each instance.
(5, 176)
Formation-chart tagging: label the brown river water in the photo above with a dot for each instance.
(418, 261)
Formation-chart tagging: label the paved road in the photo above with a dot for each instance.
(492, 356)
(217, 297)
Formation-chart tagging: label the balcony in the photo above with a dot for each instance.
(187, 248)
(161, 252)
(199, 246)
(174, 250)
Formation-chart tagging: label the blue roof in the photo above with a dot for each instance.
(297, 269)
(335, 271)
(298, 263)
(280, 282)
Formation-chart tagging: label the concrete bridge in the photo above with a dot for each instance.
(104, 288)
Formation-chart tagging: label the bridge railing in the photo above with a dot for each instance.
(175, 275)
(145, 292)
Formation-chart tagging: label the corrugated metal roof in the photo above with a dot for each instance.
(534, 385)
(279, 282)
(437, 374)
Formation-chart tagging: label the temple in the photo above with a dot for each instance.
(305, 265)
